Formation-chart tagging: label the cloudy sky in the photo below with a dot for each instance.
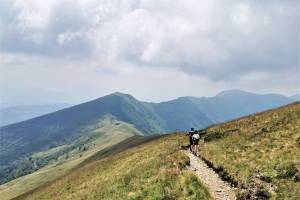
(76, 50)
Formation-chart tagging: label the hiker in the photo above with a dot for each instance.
(190, 134)
(195, 139)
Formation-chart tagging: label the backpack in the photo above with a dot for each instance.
(196, 136)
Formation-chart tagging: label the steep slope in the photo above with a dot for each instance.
(63, 159)
(261, 152)
(16, 114)
(154, 170)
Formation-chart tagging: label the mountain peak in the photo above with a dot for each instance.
(120, 94)
(117, 95)
(232, 92)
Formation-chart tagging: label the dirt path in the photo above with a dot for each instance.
(219, 189)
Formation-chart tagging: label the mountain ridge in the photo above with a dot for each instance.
(225, 93)
(82, 121)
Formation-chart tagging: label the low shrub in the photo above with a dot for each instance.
(298, 141)
(286, 170)
(266, 179)
(214, 136)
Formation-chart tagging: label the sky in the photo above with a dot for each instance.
(71, 51)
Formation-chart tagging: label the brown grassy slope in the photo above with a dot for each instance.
(267, 143)
(155, 170)
(119, 147)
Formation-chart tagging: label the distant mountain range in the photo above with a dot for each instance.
(232, 104)
(63, 127)
(14, 114)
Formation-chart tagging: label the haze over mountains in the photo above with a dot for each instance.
(296, 97)
(14, 114)
(78, 125)
(19, 113)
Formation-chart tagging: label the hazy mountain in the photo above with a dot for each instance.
(181, 114)
(232, 104)
(296, 97)
(14, 114)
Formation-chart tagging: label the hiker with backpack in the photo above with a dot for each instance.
(195, 139)
(190, 134)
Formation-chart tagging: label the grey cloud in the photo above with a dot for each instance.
(65, 17)
(264, 39)
(219, 40)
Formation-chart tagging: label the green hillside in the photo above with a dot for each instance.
(66, 130)
(60, 160)
(64, 126)
(261, 150)
(154, 170)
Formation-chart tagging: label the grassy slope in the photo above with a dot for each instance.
(106, 135)
(268, 143)
(119, 147)
(154, 170)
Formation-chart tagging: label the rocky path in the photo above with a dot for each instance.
(219, 189)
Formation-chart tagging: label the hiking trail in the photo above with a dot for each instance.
(219, 189)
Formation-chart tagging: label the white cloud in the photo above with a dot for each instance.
(68, 37)
(33, 14)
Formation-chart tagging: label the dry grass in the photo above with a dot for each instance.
(155, 170)
(266, 143)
